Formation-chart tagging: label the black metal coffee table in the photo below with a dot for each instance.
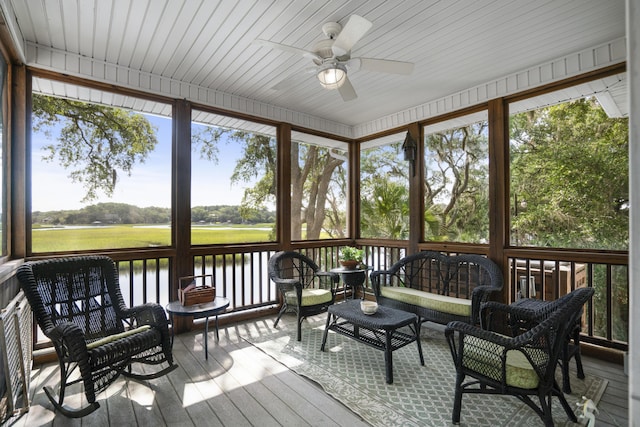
(379, 330)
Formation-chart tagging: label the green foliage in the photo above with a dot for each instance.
(385, 209)
(95, 143)
(384, 193)
(569, 177)
(122, 213)
(351, 253)
(256, 165)
(570, 189)
(456, 184)
(318, 182)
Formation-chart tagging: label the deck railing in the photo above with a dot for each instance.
(241, 275)
(548, 275)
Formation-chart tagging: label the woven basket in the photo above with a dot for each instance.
(202, 293)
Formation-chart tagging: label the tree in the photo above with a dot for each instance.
(385, 212)
(569, 173)
(384, 193)
(311, 179)
(95, 143)
(456, 184)
(570, 189)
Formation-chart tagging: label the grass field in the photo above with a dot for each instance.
(135, 236)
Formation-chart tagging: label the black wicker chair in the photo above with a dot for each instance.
(304, 288)
(522, 366)
(78, 305)
(571, 349)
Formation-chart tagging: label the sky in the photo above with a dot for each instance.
(149, 183)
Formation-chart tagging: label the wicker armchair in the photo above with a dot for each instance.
(523, 366)
(78, 305)
(538, 311)
(304, 288)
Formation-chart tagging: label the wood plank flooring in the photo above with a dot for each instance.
(241, 386)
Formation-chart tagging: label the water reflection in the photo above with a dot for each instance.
(242, 278)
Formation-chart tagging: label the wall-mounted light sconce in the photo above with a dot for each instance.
(409, 147)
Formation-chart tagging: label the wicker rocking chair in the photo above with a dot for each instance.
(78, 305)
(304, 288)
(522, 366)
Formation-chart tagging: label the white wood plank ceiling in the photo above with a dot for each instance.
(202, 50)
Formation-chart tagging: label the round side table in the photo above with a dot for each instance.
(198, 311)
(352, 278)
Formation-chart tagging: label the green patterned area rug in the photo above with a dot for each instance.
(419, 396)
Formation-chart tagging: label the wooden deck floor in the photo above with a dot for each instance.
(241, 386)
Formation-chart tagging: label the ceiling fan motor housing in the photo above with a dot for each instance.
(323, 49)
(331, 29)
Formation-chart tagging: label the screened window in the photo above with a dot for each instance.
(318, 187)
(384, 189)
(457, 180)
(233, 172)
(569, 174)
(569, 187)
(101, 170)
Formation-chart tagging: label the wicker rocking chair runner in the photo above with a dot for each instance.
(78, 305)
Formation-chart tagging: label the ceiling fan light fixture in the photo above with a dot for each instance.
(332, 75)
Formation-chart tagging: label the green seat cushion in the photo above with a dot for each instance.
(441, 303)
(519, 371)
(309, 297)
(114, 337)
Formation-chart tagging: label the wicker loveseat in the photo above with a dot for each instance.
(423, 283)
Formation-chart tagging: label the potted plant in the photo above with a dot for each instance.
(350, 257)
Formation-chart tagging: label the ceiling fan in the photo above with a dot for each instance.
(332, 57)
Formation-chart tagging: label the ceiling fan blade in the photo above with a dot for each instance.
(347, 92)
(384, 65)
(355, 28)
(287, 48)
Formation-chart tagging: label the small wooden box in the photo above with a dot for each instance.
(201, 293)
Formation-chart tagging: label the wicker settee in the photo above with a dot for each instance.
(438, 287)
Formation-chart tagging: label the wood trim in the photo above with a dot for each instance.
(7, 47)
(416, 190)
(283, 187)
(499, 185)
(467, 248)
(387, 132)
(19, 146)
(602, 353)
(353, 197)
(320, 133)
(583, 255)
(66, 78)
(455, 114)
(571, 81)
(181, 204)
(234, 114)
(181, 200)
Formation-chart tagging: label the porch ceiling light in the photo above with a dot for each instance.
(332, 75)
